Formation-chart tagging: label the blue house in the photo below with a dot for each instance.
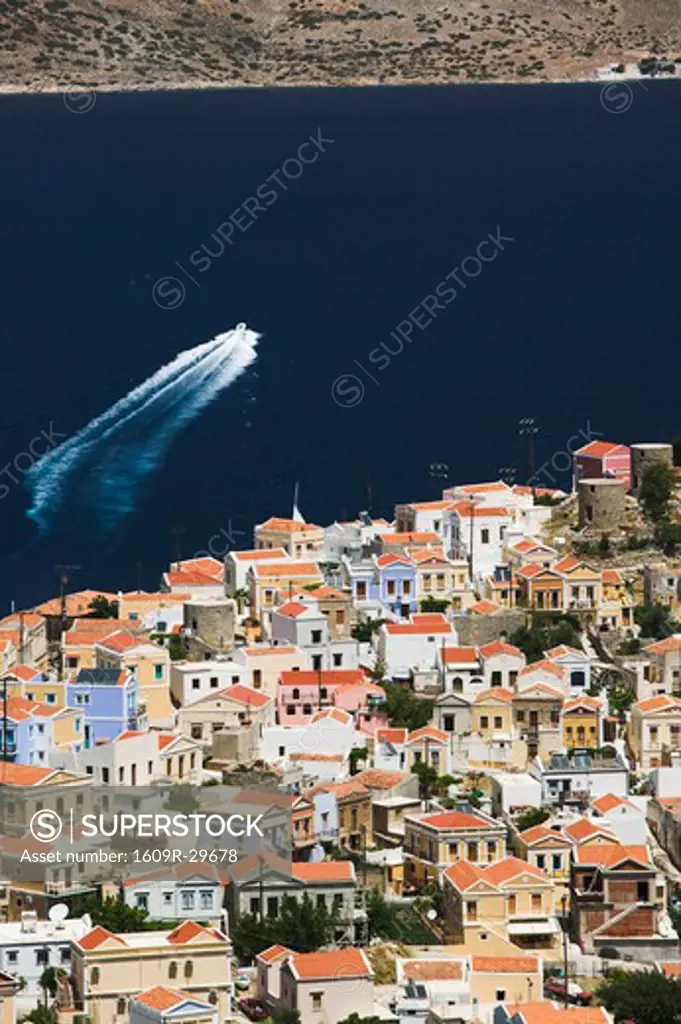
(397, 585)
(108, 700)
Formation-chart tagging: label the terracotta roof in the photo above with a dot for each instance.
(433, 970)
(160, 998)
(600, 449)
(544, 1012)
(279, 524)
(581, 702)
(189, 930)
(123, 640)
(335, 714)
(495, 693)
(246, 695)
(562, 650)
(672, 970)
(24, 774)
(453, 820)
(383, 561)
(190, 577)
(670, 643)
(465, 509)
(97, 937)
(292, 609)
(326, 677)
(259, 555)
(485, 608)
(612, 576)
(510, 867)
(335, 964)
(545, 665)
(394, 735)
(207, 565)
(435, 624)
(585, 829)
(270, 649)
(663, 702)
(428, 732)
(497, 647)
(538, 833)
(324, 871)
(418, 537)
(435, 506)
(505, 964)
(460, 655)
(608, 855)
(375, 778)
(608, 802)
(273, 953)
(287, 570)
(76, 604)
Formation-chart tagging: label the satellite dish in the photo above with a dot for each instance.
(59, 912)
(432, 914)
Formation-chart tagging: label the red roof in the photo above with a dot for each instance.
(97, 937)
(334, 964)
(601, 449)
(326, 677)
(460, 655)
(246, 695)
(454, 819)
(497, 647)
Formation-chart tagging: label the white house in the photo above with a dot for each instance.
(131, 759)
(462, 671)
(390, 749)
(192, 680)
(303, 624)
(626, 819)
(186, 891)
(512, 791)
(577, 666)
(29, 946)
(501, 664)
(237, 564)
(483, 525)
(321, 747)
(413, 646)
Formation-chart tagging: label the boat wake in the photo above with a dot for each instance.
(104, 465)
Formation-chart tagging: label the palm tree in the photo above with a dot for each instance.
(241, 595)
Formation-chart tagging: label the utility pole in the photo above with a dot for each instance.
(177, 532)
(565, 949)
(528, 428)
(63, 571)
(4, 719)
(438, 471)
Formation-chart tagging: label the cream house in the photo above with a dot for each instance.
(511, 896)
(149, 664)
(327, 987)
(434, 841)
(654, 730)
(265, 663)
(231, 722)
(109, 970)
(298, 539)
(161, 1005)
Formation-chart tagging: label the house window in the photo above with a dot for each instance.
(257, 678)
(498, 722)
(557, 861)
(541, 861)
(520, 716)
(196, 732)
(172, 969)
(12, 956)
(65, 954)
(340, 617)
(406, 587)
(390, 588)
(484, 722)
(449, 721)
(642, 892)
(167, 898)
(272, 906)
(42, 956)
(120, 1007)
(142, 900)
(471, 910)
(296, 693)
(511, 904)
(214, 682)
(361, 590)
(337, 660)
(94, 976)
(290, 709)
(496, 678)
(472, 851)
(158, 672)
(501, 995)
(536, 902)
(307, 709)
(188, 969)
(51, 698)
(187, 900)
(255, 905)
(196, 684)
(316, 636)
(484, 537)
(316, 1000)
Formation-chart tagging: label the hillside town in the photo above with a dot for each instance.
(465, 718)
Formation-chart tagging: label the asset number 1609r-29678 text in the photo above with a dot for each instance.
(176, 856)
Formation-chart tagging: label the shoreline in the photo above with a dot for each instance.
(199, 85)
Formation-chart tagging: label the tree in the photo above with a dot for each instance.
(301, 925)
(404, 709)
(544, 633)
(621, 698)
(642, 996)
(357, 754)
(431, 604)
(355, 1018)
(668, 536)
(604, 547)
(676, 443)
(655, 620)
(112, 914)
(377, 673)
(530, 818)
(656, 489)
(427, 776)
(41, 1015)
(48, 983)
(364, 631)
(102, 608)
(241, 595)
(282, 1015)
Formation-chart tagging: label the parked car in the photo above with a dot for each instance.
(554, 988)
(253, 1009)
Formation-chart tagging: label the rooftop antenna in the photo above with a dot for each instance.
(528, 428)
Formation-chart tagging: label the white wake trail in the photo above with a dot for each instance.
(103, 466)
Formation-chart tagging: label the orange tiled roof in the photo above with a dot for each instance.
(187, 931)
(435, 624)
(433, 970)
(608, 855)
(663, 702)
(608, 802)
(23, 774)
(417, 537)
(428, 732)
(246, 695)
(97, 937)
(326, 677)
(505, 964)
(375, 778)
(323, 871)
(287, 570)
(584, 829)
(259, 554)
(279, 524)
(273, 953)
(460, 655)
(393, 735)
(497, 647)
(160, 998)
(336, 964)
(496, 692)
(485, 608)
(600, 449)
(581, 702)
(454, 819)
(670, 643)
(545, 665)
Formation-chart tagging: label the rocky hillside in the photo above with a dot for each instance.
(51, 44)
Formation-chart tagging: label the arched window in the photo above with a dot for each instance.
(188, 969)
(172, 969)
(120, 1007)
(213, 997)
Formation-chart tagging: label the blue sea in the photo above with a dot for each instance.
(575, 322)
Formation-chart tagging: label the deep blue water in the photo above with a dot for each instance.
(576, 321)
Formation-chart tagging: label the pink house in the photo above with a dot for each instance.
(600, 459)
(301, 695)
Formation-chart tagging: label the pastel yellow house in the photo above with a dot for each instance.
(79, 643)
(513, 980)
(107, 970)
(511, 897)
(149, 665)
(434, 841)
(582, 723)
(265, 664)
(299, 540)
(9, 986)
(654, 730)
(275, 583)
(549, 850)
(616, 610)
(31, 684)
(493, 712)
